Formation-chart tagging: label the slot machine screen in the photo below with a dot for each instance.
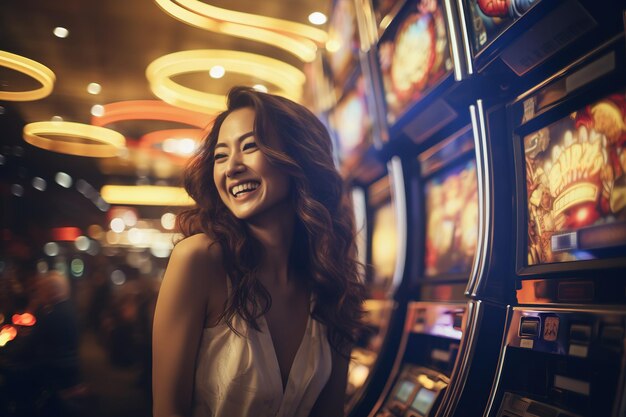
(343, 41)
(414, 55)
(404, 390)
(423, 401)
(576, 185)
(451, 194)
(351, 120)
(490, 18)
(384, 237)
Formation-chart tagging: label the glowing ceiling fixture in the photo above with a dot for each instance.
(217, 71)
(33, 69)
(146, 195)
(94, 88)
(97, 110)
(78, 139)
(150, 110)
(260, 87)
(299, 39)
(317, 18)
(60, 32)
(288, 79)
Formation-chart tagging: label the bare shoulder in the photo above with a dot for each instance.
(195, 263)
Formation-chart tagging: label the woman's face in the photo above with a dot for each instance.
(246, 182)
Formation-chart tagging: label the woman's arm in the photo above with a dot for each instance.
(331, 400)
(178, 324)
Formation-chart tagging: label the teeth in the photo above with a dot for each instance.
(241, 188)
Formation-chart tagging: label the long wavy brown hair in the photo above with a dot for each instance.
(323, 250)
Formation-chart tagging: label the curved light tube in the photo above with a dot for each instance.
(299, 39)
(106, 142)
(146, 195)
(398, 195)
(149, 110)
(33, 69)
(287, 78)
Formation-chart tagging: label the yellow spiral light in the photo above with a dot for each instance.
(288, 79)
(299, 39)
(33, 69)
(78, 138)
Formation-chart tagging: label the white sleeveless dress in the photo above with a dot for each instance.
(239, 376)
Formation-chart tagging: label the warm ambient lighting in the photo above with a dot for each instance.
(296, 38)
(160, 72)
(317, 18)
(91, 141)
(94, 88)
(217, 71)
(34, 69)
(150, 110)
(146, 195)
(61, 32)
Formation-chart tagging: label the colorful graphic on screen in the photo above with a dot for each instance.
(351, 120)
(576, 185)
(490, 18)
(417, 57)
(423, 401)
(451, 220)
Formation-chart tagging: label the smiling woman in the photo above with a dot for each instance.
(261, 302)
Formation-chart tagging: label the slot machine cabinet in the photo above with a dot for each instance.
(513, 44)
(385, 307)
(564, 349)
(428, 351)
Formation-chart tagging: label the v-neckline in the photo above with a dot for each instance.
(285, 384)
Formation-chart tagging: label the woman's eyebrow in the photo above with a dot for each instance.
(239, 139)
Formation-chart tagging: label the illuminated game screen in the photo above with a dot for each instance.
(451, 220)
(415, 56)
(404, 390)
(423, 401)
(384, 246)
(343, 41)
(491, 18)
(576, 185)
(351, 120)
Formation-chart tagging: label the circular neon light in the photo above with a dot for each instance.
(287, 78)
(33, 69)
(104, 142)
(150, 110)
(296, 38)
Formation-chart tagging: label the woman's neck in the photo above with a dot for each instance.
(275, 234)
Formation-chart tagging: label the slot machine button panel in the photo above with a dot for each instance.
(612, 336)
(580, 333)
(529, 327)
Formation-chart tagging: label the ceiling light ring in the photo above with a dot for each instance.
(150, 110)
(107, 142)
(299, 39)
(288, 79)
(31, 68)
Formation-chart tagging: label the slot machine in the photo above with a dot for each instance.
(563, 353)
(448, 343)
(376, 190)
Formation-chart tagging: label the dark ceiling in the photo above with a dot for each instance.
(110, 42)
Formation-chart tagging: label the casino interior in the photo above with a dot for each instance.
(483, 144)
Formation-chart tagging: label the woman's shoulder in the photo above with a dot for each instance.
(198, 248)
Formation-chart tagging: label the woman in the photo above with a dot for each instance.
(260, 303)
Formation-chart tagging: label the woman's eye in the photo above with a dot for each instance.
(249, 145)
(219, 156)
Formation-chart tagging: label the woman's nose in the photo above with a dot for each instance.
(235, 165)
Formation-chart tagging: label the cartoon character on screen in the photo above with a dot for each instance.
(505, 8)
(608, 117)
(541, 222)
